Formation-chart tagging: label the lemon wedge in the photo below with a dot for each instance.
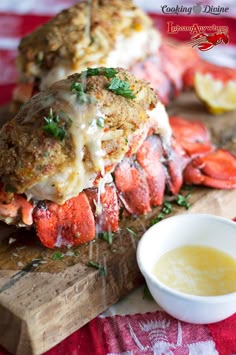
(218, 96)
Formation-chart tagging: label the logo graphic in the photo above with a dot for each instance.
(197, 8)
(203, 37)
(205, 41)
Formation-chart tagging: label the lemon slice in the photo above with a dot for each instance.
(218, 96)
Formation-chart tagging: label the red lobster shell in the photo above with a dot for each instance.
(139, 183)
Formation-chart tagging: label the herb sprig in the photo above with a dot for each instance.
(78, 89)
(116, 85)
(131, 232)
(183, 201)
(121, 87)
(159, 218)
(57, 255)
(52, 126)
(107, 236)
(98, 266)
(168, 207)
(107, 72)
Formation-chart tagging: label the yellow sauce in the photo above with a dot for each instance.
(197, 270)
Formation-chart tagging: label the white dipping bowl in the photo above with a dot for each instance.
(187, 229)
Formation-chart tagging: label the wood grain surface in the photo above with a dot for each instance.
(42, 300)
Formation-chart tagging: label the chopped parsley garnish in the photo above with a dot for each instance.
(57, 256)
(82, 97)
(183, 201)
(110, 72)
(167, 207)
(121, 87)
(118, 86)
(100, 122)
(157, 219)
(52, 127)
(77, 87)
(92, 71)
(107, 236)
(131, 231)
(107, 72)
(98, 266)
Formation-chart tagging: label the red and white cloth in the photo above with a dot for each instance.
(150, 333)
(17, 18)
(148, 330)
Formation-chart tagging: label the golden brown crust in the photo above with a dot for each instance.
(28, 154)
(69, 37)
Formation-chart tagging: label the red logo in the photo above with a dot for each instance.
(204, 41)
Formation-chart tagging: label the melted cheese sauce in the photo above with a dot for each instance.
(77, 175)
(160, 122)
(197, 270)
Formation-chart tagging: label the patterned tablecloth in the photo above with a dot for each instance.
(135, 325)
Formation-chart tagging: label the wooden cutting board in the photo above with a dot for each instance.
(42, 300)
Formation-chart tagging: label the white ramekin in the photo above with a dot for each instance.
(187, 229)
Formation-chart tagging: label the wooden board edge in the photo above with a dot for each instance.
(37, 330)
(33, 340)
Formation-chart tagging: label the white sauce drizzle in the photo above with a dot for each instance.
(77, 174)
(160, 116)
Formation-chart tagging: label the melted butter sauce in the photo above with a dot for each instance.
(197, 270)
(75, 175)
(85, 133)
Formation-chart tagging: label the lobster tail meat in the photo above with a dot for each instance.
(190, 139)
(69, 141)
(93, 142)
(165, 69)
(15, 209)
(151, 70)
(62, 225)
(175, 64)
(149, 157)
(133, 188)
(176, 160)
(193, 136)
(105, 207)
(99, 139)
(216, 169)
